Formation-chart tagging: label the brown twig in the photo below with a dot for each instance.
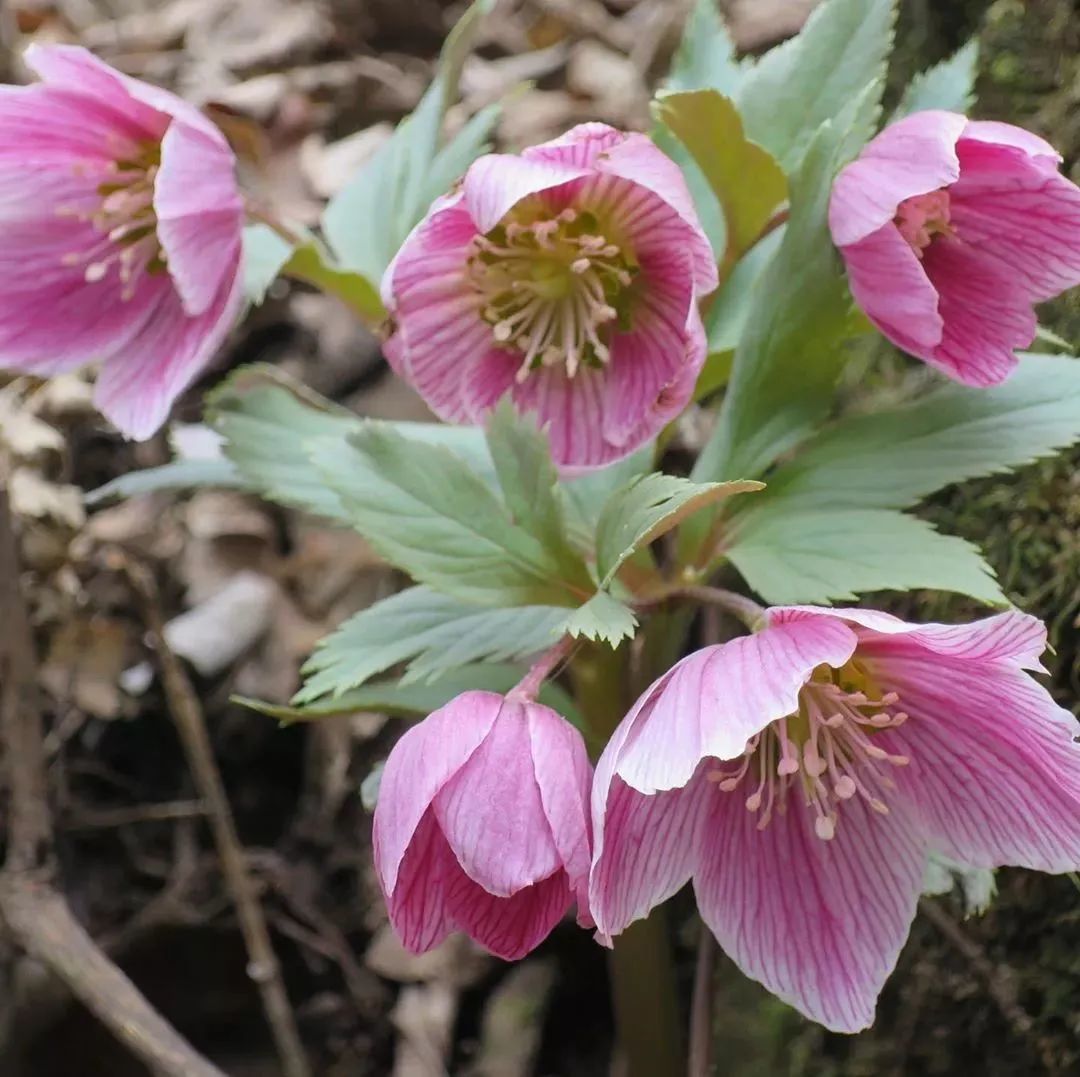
(190, 723)
(35, 916)
(701, 1008)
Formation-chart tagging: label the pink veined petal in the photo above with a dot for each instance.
(1013, 637)
(1008, 206)
(637, 160)
(994, 777)
(712, 702)
(890, 285)
(422, 762)
(577, 148)
(492, 814)
(496, 182)
(45, 125)
(986, 312)
(915, 155)
(653, 367)
(200, 214)
(997, 133)
(74, 69)
(138, 385)
(645, 848)
(819, 923)
(508, 927)
(563, 775)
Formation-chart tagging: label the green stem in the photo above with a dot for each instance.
(643, 988)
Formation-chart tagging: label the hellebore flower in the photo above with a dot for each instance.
(951, 230)
(121, 225)
(482, 825)
(800, 776)
(567, 277)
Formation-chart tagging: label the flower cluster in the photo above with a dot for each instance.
(800, 776)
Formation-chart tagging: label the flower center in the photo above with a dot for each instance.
(125, 217)
(922, 218)
(825, 750)
(553, 288)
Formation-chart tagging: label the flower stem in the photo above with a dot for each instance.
(746, 609)
(701, 1008)
(643, 989)
(529, 686)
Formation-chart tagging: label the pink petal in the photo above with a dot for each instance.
(422, 762)
(564, 775)
(1008, 206)
(645, 848)
(1013, 637)
(819, 923)
(578, 148)
(996, 133)
(986, 311)
(434, 896)
(491, 812)
(712, 702)
(889, 284)
(915, 155)
(137, 386)
(994, 776)
(496, 182)
(200, 214)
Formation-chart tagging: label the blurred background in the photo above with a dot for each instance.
(307, 90)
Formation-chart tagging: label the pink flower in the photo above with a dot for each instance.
(801, 775)
(567, 277)
(482, 825)
(951, 230)
(121, 226)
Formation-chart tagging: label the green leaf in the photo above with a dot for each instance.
(269, 422)
(432, 632)
(949, 85)
(369, 219)
(745, 178)
(178, 475)
(814, 76)
(648, 507)
(268, 255)
(603, 619)
(818, 556)
(530, 483)
(706, 55)
(401, 699)
(892, 459)
(789, 354)
(587, 494)
(427, 512)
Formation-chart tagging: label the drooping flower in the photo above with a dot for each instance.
(120, 221)
(567, 277)
(482, 825)
(951, 230)
(801, 776)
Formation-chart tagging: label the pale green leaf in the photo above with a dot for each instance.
(949, 85)
(427, 512)
(647, 507)
(177, 475)
(790, 351)
(821, 556)
(587, 494)
(432, 632)
(892, 459)
(400, 699)
(530, 483)
(265, 255)
(706, 55)
(603, 619)
(745, 178)
(725, 317)
(813, 77)
(368, 220)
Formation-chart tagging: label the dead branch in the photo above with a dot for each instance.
(36, 918)
(190, 723)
